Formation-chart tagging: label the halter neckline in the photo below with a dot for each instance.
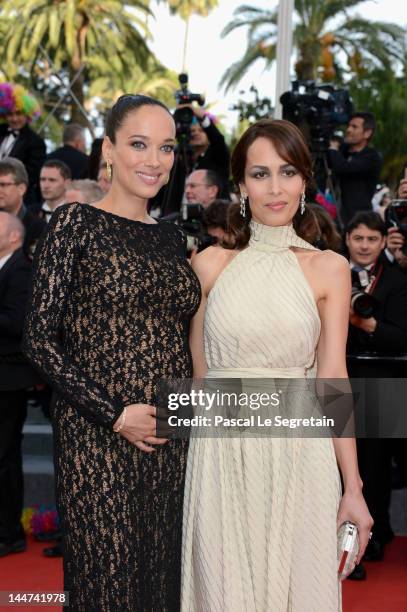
(278, 237)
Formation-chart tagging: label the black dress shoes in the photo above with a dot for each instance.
(48, 536)
(359, 573)
(12, 547)
(53, 551)
(374, 551)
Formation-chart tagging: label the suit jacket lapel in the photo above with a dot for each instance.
(17, 146)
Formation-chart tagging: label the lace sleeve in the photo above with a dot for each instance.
(53, 266)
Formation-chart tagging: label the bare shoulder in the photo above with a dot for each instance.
(209, 264)
(329, 263)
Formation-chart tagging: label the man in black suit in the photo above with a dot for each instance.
(19, 141)
(15, 376)
(373, 344)
(72, 153)
(55, 178)
(356, 166)
(13, 186)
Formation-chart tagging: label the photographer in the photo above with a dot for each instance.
(377, 334)
(209, 149)
(395, 248)
(387, 330)
(396, 218)
(356, 166)
(215, 218)
(402, 190)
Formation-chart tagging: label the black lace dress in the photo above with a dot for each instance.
(109, 316)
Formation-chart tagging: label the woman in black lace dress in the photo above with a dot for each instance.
(112, 299)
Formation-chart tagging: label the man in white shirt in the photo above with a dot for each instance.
(55, 178)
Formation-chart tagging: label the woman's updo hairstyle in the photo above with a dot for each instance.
(290, 145)
(125, 105)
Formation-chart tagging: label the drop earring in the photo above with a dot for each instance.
(243, 206)
(109, 171)
(302, 203)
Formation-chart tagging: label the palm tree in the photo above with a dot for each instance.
(185, 9)
(154, 80)
(78, 36)
(319, 40)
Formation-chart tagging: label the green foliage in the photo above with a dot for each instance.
(321, 43)
(156, 81)
(186, 8)
(254, 110)
(46, 37)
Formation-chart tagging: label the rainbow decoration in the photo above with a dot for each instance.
(15, 97)
(39, 519)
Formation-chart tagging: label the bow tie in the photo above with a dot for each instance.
(14, 132)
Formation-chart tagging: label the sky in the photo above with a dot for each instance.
(209, 55)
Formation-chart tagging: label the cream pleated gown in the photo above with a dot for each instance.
(259, 529)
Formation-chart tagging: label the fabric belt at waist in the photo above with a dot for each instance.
(257, 373)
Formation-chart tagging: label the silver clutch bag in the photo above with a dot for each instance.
(348, 548)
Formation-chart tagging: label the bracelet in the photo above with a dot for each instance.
(122, 421)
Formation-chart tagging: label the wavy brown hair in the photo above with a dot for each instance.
(290, 145)
(320, 231)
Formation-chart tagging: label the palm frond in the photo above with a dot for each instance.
(238, 69)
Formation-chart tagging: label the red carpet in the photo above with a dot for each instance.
(385, 590)
(31, 572)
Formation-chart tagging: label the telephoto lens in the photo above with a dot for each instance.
(363, 304)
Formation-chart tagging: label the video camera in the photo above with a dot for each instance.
(183, 116)
(395, 215)
(317, 110)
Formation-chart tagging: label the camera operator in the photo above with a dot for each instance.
(356, 166)
(377, 334)
(203, 187)
(215, 218)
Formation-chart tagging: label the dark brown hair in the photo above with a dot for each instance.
(371, 219)
(318, 229)
(64, 170)
(289, 143)
(215, 215)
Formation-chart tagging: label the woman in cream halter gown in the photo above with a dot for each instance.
(260, 514)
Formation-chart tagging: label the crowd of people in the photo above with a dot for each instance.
(113, 300)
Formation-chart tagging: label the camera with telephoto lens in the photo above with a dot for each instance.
(193, 225)
(317, 110)
(395, 215)
(363, 304)
(183, 116)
